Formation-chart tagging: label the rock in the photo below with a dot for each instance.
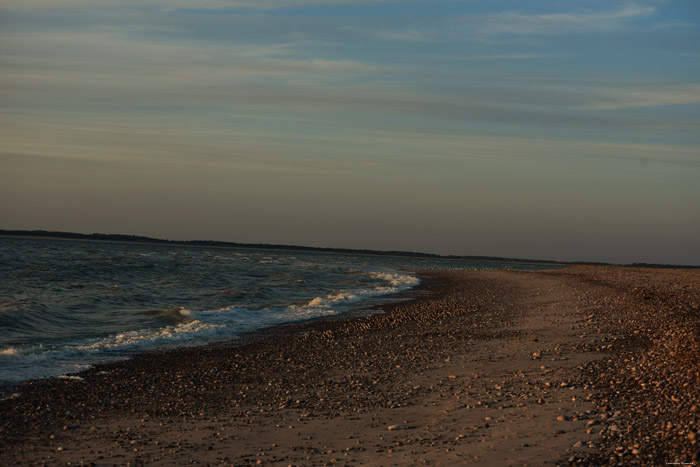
(398, 426)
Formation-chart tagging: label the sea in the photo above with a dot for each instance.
(68, 304)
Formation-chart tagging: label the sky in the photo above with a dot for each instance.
(558, 129)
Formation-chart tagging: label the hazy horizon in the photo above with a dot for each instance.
(552, 130)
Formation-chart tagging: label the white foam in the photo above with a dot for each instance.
(199, 326)
(184, 312)
(328, 300)
(400, 281)
(174, 312)
(73, 377)
(395, 283)
(233, 320)
(39, 361)
(141, 338)
(9, 352)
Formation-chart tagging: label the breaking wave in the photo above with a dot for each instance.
(9, 352)
(268, 291)
(175, 312)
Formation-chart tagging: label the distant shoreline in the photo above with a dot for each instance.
(57, 235)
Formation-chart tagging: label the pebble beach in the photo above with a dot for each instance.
(587, 365)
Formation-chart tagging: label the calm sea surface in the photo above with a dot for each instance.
(65, 305)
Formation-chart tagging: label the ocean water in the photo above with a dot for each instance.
(65, 305)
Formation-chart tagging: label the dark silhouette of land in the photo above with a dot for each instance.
(262, 246)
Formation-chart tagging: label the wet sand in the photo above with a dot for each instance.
(584, 365)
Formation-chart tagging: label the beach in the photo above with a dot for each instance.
(581, 365)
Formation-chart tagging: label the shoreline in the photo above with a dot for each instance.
(490, 367)
(367, 304)
(375, 305)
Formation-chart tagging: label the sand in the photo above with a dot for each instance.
(583, 365)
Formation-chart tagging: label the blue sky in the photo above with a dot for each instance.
(542, 129)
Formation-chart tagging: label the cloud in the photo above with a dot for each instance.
(389, 35)
(108, 72)
(152, 65)
(513, 56)
(137, 143)
(157, 142)
(180, 4)
(563, 23)
(106, 59)
(646, 96)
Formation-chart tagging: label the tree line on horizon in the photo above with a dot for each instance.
(216, 243)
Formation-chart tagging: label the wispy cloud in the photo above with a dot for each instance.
(674, 25)
(404, 35)
(120, 142)
(112, 68)
(512, 56)
(108, 59)
(147, 144)
(110, 72)
(563, 23)
(646, 96)
(184, 4)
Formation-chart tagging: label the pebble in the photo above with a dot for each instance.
(649, 372)
(648, 375)
(398, 426)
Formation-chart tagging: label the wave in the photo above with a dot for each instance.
(175, 312)
(230, 321)
(9, 352)
(396, 280)
(393, 283)
(148, 337)
(185, 326)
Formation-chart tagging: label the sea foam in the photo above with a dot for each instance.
(9, 352)
(82, 306)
